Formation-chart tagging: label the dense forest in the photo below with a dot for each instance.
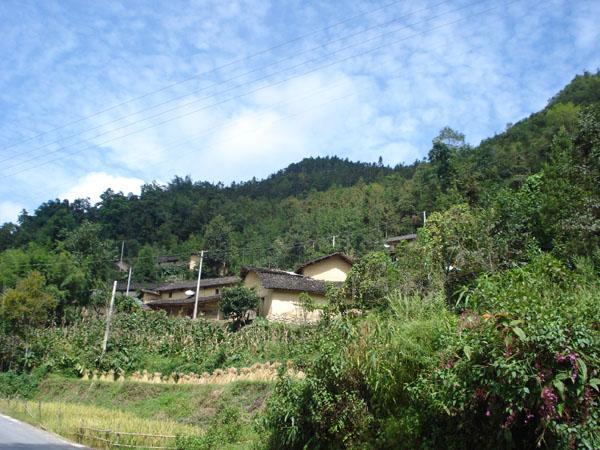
(482, 334)
(292, 215)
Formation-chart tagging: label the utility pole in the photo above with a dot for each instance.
(108, 316)
(333, 241)
(122, 250)
(424, 217)
(198, 285)
(129, 280)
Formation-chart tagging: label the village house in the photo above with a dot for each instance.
(394, 242)
(279, 291)
(178, 298)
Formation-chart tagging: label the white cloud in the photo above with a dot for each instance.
(475, 76)
(9, 211)
(93, 184)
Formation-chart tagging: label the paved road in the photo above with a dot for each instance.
(15, 435)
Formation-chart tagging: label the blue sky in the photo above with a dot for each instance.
(117, 93)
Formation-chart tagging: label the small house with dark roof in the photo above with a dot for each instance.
(178, 298)
(280, 290)
(396, 241)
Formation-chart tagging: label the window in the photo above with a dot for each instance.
(217, 291)
(170, 294)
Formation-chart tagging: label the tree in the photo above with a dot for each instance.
(445, 146)
(146, 268)
(371, 279)
(236, 302)
(218, 243)
(96, 255)
(28, 304)
(7, 232)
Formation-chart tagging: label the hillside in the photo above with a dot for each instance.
(481, 333)
(293, 214)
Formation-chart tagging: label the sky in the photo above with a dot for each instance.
(115, 94)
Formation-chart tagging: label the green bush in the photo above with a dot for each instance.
(24, 385)
(149, 340)
(236, 302)
(224, 429)
(354, 395)
(523, 370)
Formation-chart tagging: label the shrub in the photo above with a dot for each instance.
(354, 395)
(370, 280)
(236, 302)
(29, 303)
(523, 369)
(225, 428)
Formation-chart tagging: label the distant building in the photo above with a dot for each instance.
(279, 290)
(178, 298)
(395, 241)
(333, 267)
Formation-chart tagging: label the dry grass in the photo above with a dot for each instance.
(258, 373)
(67, 419)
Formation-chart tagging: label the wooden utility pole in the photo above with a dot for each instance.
(108, 316)
(198, 285)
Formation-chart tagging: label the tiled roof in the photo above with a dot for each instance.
(404, 237)
(122, 286)
(287, 281)
(191, 284)
(321, 258)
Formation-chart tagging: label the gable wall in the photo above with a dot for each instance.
(330, 269)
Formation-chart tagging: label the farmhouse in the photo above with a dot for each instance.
(395, 242)
(280, 291)
(178, 298)
(333, 267)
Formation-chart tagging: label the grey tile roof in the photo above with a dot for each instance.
(191, 284)
(287, 281)
(321, 258)
(122, 286)
(404, 237)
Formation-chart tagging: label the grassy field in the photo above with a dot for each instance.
(209, 416)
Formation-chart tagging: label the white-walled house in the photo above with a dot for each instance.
(280, 290)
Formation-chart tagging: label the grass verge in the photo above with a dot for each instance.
(208, 416)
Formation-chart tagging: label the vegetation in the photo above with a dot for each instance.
(236, 302)
(521, 369)
(154, 342)
(198, 415)
(483, 333)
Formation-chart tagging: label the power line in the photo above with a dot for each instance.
(201, 74)
(206, 131)
(235, 97)
(265, 77)
(254, 250)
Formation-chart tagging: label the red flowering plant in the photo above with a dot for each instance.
(526, 377)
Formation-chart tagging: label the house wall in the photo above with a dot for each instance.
(251, 280)
(207, 310)
(284, 306)
(281, 305)
(330, 269)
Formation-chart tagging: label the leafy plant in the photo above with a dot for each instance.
(236, 302)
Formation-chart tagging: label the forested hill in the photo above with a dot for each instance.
(293, 214)
(310, 174)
